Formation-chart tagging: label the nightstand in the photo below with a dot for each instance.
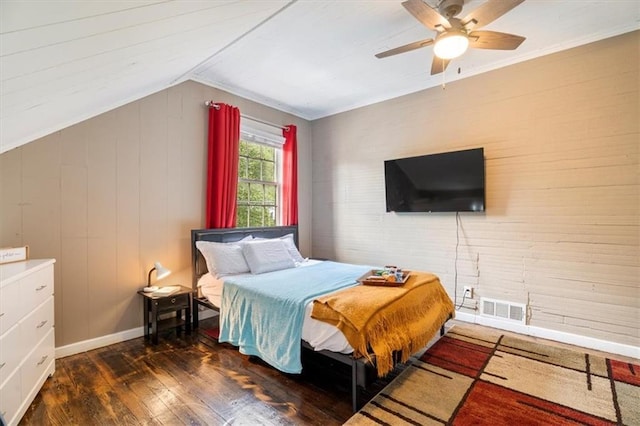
(156, 304)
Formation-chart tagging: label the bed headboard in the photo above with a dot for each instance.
(230, 235)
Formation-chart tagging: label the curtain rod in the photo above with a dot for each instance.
(212, 104)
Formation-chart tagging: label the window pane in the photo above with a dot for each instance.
(248, 149)
(242, 168)
(255, 170)
(255, 215)
(243, 192)
(268, 153)
(253, 150)
(268, 172)
(270, 194)
(244, 147)
(270, 216)
(256, 194)
(242, 217)
(257, 203)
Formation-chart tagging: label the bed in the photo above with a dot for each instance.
(229, 287)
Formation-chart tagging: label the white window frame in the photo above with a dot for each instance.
(264, 134)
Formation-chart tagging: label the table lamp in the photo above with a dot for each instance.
(161, 272)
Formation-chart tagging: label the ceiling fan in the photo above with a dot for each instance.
(454, 34)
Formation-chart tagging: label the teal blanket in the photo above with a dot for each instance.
(263, 314)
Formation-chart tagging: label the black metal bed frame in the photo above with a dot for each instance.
(358, 365)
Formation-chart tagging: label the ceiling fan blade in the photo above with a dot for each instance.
(488, 12)
(406, 48)
(438, 65)
(425, 14)
(494, 40)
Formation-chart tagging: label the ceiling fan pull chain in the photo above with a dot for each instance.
(444, 80)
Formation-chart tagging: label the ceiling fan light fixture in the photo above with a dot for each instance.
(451, 45)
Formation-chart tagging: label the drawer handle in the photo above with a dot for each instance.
(43, 359)
(41, 287)
(1, 314)
(41, 324)
(173, 300)
(2, 365)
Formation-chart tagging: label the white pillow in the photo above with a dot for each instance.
(290, 246)
(223, 258)
(292, 249)
(267, 255)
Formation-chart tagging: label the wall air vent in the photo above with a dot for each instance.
(501, 309)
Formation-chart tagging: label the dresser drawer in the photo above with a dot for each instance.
(11, 397)
(36, 325)
(37, 362)
(12, 309)
(37, 287)
(12, 352)
(171, 303)
(27, 337)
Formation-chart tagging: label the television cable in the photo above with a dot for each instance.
(455, 265)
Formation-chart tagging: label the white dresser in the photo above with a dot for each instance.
(27, 342)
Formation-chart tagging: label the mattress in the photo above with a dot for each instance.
(319, 335)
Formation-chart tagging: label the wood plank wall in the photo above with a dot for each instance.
(561, 230)
(109, 196)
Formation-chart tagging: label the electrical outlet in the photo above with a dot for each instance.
(468, 291)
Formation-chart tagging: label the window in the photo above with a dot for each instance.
(259, 176)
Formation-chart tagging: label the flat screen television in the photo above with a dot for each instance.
(446, 182)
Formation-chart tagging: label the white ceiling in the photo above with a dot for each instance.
(62, 62)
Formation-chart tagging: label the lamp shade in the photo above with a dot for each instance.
(161, 271)
(451, 45)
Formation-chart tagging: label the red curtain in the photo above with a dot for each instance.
(290, 176)
(222, 173)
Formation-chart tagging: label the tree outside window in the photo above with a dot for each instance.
(257, 185)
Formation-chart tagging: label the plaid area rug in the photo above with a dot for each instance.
(476, 375)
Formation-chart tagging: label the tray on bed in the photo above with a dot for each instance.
(368, 279)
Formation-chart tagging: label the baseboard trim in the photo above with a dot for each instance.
(110, 339)
(98, 342)
(558, 336)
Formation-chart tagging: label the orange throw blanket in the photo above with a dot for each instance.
(388, 319)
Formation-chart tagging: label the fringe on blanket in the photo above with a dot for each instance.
(404, 321)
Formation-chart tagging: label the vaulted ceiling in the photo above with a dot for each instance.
(62, 62)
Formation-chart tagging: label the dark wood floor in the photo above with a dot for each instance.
(188, 380)
(195, 380)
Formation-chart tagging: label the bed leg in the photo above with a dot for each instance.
(194, 314)
(354, 385)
